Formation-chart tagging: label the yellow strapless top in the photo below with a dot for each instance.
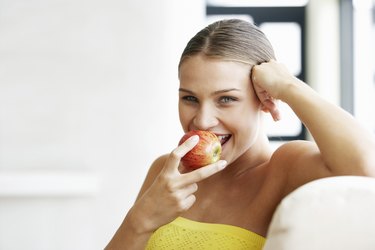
(183, 234)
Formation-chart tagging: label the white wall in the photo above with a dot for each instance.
(88, 93)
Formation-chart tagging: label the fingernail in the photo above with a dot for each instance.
(194, 139)
(222, 164)
(277, 118)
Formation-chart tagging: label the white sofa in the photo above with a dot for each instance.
(330, 213)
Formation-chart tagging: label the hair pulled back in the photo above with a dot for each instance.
(230, 39)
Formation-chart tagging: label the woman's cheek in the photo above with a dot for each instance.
(185, 118)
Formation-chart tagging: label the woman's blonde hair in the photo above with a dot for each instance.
(231, 39)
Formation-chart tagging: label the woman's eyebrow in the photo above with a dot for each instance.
(225, 90)
(185, 90)
(221, 91)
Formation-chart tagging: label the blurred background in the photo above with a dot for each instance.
(88, 94)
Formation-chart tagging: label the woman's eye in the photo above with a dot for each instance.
(227, 99)
(190, 98)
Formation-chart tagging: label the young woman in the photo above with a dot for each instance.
(228, 80)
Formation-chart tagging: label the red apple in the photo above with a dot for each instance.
(207, 151)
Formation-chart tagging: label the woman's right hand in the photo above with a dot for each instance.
(172, 192)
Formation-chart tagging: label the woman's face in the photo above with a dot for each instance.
(218, 96)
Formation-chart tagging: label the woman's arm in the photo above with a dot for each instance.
(346, 147)
(128, 236)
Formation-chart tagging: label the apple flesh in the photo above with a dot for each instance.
(207, 151)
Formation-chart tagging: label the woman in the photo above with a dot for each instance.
(228, 81)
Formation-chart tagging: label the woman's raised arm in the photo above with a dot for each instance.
(346, 147)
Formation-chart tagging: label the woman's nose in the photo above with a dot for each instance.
(205, 118)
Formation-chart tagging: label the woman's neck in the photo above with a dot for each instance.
(259, 153)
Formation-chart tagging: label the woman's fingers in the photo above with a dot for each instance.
(188, 202)
(270, 105)
(185, 196)
(189, 189)
(182, 186)
(202, 173)
(176, 155)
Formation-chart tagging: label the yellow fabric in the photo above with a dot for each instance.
(183, 234)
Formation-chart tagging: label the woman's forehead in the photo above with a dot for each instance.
(203, 69)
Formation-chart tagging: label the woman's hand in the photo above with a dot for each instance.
(270, 80)
(172, 193)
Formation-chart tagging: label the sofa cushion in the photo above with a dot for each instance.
(329, 213)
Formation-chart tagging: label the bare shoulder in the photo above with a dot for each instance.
(299, 162)
(297, 148)
(154, 170)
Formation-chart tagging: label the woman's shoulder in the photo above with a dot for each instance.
(291, 150)
(299, 162)
(289, 153)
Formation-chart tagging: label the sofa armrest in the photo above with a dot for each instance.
(330, 213)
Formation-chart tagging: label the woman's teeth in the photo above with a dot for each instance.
(223, 138)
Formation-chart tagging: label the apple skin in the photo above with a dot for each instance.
(207, 151)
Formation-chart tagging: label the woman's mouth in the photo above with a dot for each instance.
(223, 138)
